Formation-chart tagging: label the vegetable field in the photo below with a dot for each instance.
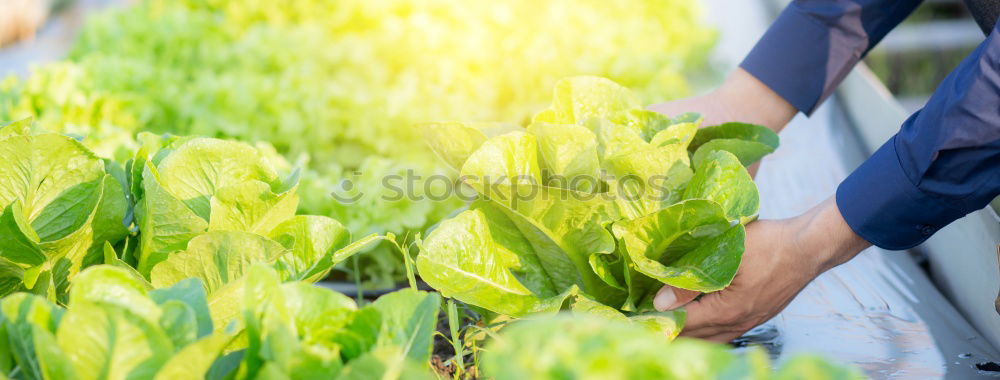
(336, 86)
(172, 192)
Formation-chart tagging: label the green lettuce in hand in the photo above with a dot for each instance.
(593, 207)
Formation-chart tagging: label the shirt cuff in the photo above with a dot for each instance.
(880, 203)
(792, 58)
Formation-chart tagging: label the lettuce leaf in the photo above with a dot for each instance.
(203, 199)
(60, 207)
(302, 331)
(748, 142)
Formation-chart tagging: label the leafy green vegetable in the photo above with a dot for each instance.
(409, 320)
(201, 201)
(207, 264)
(211, 209)
(115, 328)
(504, 273)
(195, 359)
(748, 142)
(384, 363)
(634, 214)
(27, 327)
(721, 178)
(216, 258)
(191, 292)
(111, 342)
(60, 206)
(689, 245)
(203, 208)
(298, 330)
(587, 347)
(197, 185)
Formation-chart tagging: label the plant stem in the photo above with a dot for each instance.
(456, 340)
(404, 249)
(357, 281)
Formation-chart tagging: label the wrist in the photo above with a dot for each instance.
(825, 238)
(750, 100)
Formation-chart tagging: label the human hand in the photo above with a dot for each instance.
(741, 98)
(19, 19)
(781, 258)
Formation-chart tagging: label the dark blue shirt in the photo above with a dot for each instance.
(943, 163)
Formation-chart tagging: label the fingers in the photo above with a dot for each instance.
(753, 169)
(708, 311)
(669, 298)
(712, 319)
(713, 333)
(723, 337)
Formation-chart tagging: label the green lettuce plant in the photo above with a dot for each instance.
(180, 207)
(208, 269)
(212, 209)
(115, 327)
(61, 204)
(593, 207)
(586, 347)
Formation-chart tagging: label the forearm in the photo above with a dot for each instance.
(754, 101)
(943, 164)
(824, 238)
(814, 44)
(803, 57)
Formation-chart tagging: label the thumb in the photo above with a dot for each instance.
(669, 298)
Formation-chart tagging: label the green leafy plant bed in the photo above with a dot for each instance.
(180, 207)
(187, 260)
(585, 347)
(115, 327)
(593, 207)
(337, 85)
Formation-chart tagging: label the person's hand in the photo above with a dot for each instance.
(741, 98)
(781, 258)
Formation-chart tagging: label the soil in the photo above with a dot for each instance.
(350, 289)
(441, 358)
(988, 367)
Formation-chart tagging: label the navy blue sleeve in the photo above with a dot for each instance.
(814, 44)
(943, 164)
